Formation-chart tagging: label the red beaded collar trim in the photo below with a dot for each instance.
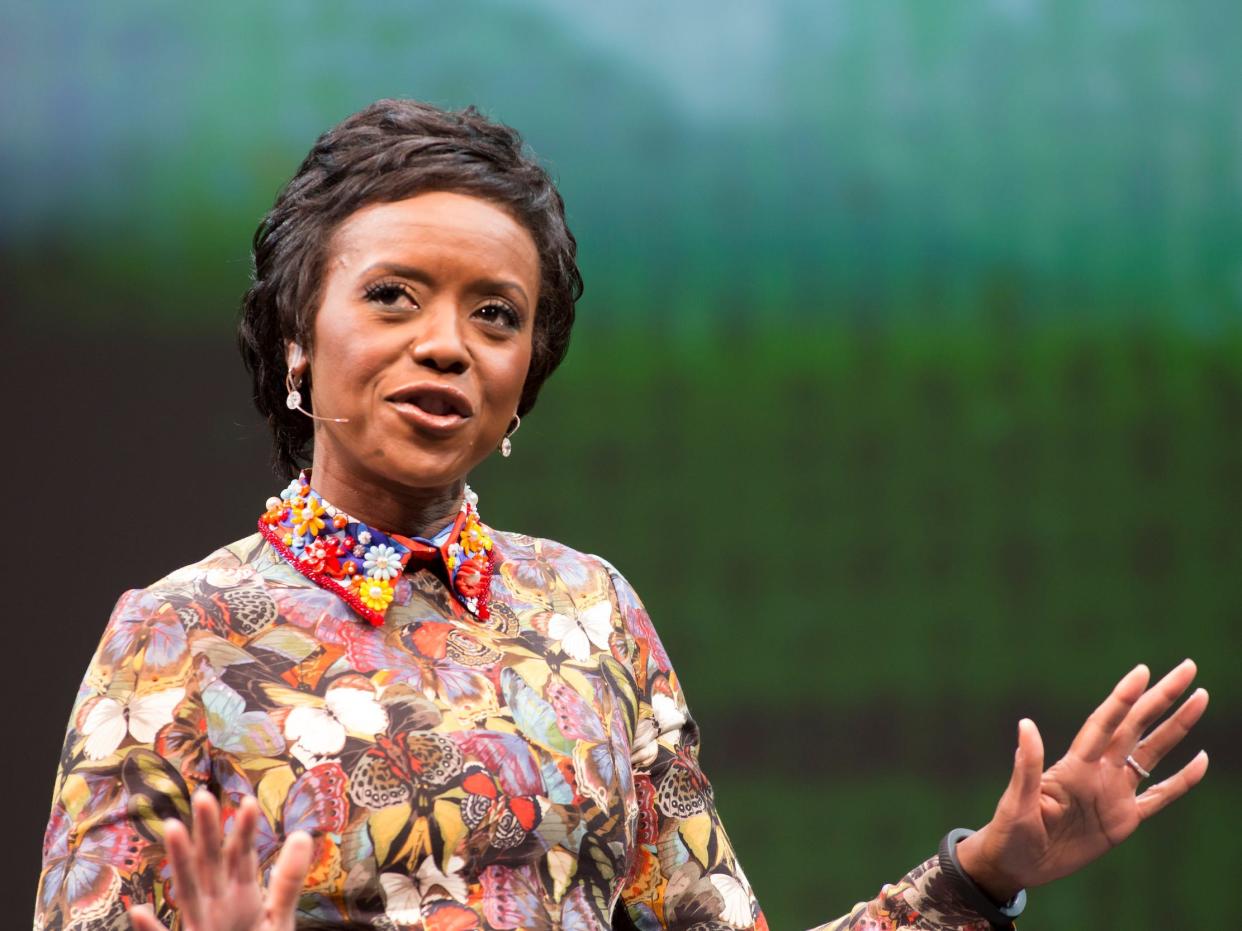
(360, 564)
(319, 578)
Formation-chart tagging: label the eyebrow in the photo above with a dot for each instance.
(417, 274)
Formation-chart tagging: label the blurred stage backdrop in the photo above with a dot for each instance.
(907, 387)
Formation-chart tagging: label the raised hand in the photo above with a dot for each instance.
(217, 880)
(1050, 824)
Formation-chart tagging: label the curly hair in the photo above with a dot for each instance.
(391, 150)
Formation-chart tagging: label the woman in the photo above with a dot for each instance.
(403, 718)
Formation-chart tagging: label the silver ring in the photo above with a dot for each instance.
(1133, 764)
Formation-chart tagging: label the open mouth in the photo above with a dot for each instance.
(434, 407)
(435, 404)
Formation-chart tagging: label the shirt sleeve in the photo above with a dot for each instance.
(684, 873)
(134, 750)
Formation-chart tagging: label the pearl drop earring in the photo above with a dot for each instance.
(506, 447)
(294, 399)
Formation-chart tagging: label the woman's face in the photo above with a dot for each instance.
(422, 339)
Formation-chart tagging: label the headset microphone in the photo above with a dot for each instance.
(294, 400)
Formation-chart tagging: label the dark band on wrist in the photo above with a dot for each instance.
(1000, 916)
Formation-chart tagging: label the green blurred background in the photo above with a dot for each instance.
(907, 385)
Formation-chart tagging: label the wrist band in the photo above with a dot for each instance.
(1001, 916)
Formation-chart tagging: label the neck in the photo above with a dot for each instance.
(420, 512)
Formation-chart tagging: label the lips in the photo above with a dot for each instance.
(437, 408)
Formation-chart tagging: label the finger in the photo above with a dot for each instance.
(1173, 788)
(1148, 709)
(143, 919)
(1153, 748)
(288, 876)
(1097, 731)
(239, 855)
(207, 838)
(181, 858)
(1028, 768)
(248, 866)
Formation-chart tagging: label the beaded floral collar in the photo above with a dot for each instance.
(362, 564)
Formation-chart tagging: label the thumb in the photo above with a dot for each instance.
(143, 919)
(1028, 766)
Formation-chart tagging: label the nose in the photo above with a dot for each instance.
(439, 344)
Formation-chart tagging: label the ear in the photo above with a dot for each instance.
(295, 360)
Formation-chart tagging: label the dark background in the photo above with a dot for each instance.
(907, 387)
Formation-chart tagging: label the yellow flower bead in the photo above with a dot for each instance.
(308, 520)
(474, 539)
(376, 594)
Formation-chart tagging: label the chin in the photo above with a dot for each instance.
(423, 468)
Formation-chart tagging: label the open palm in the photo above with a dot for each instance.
(217, 881)
(1051, 823)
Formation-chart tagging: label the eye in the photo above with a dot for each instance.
(501, 315)
(388, 293)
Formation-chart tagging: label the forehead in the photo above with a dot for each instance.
(437, 226)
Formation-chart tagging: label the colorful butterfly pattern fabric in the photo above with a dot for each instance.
(532, 765)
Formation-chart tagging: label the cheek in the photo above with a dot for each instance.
(346, 358)
(509, 376)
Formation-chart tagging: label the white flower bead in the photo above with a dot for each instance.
(382, 562)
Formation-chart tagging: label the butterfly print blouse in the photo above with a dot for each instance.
(511, 751)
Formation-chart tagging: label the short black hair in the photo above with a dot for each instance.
(391, 150)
